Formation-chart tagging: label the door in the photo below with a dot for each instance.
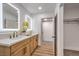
(48, 30)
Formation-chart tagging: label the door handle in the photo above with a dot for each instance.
(53, 36)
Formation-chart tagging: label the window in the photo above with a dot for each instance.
(29, 19)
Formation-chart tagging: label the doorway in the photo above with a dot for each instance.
(48, 32)
(48, 45)
(71, 29)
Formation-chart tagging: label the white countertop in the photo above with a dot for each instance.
(9, 42)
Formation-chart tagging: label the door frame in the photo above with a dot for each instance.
(55, 47)
(55, 29)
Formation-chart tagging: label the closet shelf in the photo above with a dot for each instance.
(72, 20)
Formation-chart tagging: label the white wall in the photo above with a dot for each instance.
(71, 36)
(71, 30)
(37, 22)
(59, 13)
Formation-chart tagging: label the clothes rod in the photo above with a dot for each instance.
(72, 20)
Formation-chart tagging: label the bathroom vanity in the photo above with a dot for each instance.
(10, 22)
(19, 46)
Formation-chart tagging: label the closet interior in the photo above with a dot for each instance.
(71, 29)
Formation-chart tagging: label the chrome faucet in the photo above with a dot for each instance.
(10, 36)
(13, 35)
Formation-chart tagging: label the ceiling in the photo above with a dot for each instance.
(33, 7)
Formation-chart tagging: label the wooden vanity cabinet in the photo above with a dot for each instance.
(35, 41)
(4, 51)
(19, 52)
(22, 48)
(31, 45)
(18, 48)
(27, 48)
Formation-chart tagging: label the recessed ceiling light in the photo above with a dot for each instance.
(39, 7)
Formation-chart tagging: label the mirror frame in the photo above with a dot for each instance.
(1, 18)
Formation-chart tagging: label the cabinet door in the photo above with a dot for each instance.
(19, 52)
(32, 45)
(17, 46)
(27, 50)
(4, 51)
(35, 41)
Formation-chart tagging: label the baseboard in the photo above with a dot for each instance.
(70, 50)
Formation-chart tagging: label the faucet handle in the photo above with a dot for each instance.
(10, 37)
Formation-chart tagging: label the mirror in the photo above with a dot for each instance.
(10, 17)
